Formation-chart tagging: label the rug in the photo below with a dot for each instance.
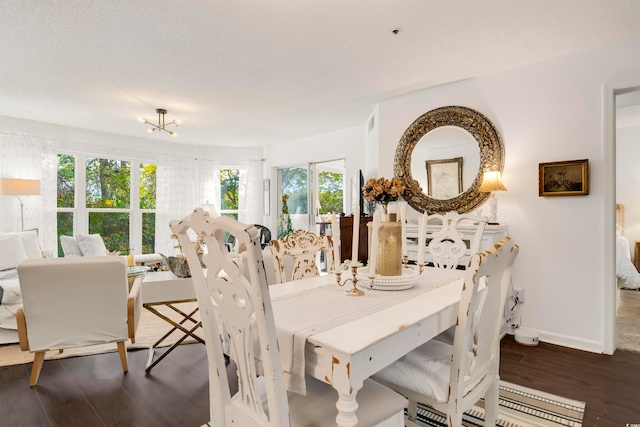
(628, 321)
(519, 407)
(150, 329)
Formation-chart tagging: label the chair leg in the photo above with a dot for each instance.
(491, 398)
(123, 355)
(38, 360)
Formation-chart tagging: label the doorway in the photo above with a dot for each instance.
(627, 151)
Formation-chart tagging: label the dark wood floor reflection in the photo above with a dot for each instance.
(92, 390)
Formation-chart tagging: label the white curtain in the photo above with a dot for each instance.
(250, 192)
(29, 157)
(210, 182)
(176, 181)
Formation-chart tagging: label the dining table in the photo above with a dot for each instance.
(342, 340)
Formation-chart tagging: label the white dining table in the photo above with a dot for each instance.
(343, 340)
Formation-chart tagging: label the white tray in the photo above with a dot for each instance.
(390, 283)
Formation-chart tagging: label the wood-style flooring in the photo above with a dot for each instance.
(93, 391)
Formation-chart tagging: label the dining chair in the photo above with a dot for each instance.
(241, 308)
(76, 302)
(452, 378)
(448, 245)
(303, 246)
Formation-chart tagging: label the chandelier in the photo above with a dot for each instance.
(161, 122)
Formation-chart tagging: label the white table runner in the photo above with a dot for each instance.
(299, 315)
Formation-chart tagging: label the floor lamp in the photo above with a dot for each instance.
(20, 187)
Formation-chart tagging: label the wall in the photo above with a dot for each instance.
(627, 179)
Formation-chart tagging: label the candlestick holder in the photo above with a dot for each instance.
(354, 291)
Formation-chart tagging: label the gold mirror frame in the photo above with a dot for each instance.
(491, 157)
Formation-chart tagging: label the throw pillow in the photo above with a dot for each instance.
(11, 251)
(91, 245)
(70, 246)
(30, 242)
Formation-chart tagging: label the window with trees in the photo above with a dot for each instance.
(118, 203)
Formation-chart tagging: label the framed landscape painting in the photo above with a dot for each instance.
(568, 178)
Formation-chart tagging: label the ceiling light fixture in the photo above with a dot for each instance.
(161, 123)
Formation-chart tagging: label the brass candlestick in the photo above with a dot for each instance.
(354, 291)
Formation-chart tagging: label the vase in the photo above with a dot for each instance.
(389, 251)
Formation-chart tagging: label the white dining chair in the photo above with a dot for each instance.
(452, 378)
(448, 245)
(243, 306)
(302, 247)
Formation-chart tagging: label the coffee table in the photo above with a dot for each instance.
(163, 288)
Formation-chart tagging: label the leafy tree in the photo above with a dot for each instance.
(229, 183)
(295, 184)
(330, 192)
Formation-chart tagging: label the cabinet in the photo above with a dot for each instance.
(492, 235)
(346, 237)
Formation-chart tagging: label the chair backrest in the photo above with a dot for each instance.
(73, 302)
(265, 237)
(303, 246)
(476, 339)
(447, 245)
(241, 309)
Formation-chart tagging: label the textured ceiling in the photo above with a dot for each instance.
(251, 73)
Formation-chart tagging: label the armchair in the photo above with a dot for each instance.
(76, 302)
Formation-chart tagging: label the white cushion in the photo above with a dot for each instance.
(11, 251)
(30, 243)
(70, 246)
(91, 245)
(424, 370)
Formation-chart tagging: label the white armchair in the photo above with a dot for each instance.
(76, 302)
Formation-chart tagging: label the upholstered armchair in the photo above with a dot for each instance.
(76, 302)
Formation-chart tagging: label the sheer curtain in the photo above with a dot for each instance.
(29, 157)
(176, 181)
(250, 192)
(210, 182)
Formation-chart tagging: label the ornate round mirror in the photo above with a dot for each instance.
(441, 158)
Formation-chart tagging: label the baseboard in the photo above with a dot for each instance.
(567, 341)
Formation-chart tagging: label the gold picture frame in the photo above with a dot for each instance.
(444, 178)
(567, 178)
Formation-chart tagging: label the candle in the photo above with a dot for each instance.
(403, 220)
(356, 234)
(373, 257)
(335, 235)
(422, 238)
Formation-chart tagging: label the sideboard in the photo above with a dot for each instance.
(492, 235)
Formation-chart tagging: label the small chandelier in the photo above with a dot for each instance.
(161, 123)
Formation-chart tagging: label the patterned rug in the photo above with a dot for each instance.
(519, 407)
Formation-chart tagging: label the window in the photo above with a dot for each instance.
(109, 206)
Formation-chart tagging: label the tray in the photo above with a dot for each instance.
(390, 283)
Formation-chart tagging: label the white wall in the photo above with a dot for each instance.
(628, 180)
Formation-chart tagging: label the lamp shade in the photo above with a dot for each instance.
(211, 209)
(19, 187)
(492, 181)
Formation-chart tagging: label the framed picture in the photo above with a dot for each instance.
(444, 178)
(266, 191)
(569, 178)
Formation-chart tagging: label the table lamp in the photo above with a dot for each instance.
(492, 182)
(20, 187)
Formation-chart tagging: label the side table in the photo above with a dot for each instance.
(163, 288)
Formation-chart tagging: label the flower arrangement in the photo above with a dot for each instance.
(382, 190)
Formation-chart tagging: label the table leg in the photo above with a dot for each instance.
(347, 406)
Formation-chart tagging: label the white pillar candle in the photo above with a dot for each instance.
(421, 238)
(403, 220)
(373, 252)
(356, 233)
(335, 235)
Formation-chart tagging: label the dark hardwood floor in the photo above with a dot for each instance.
(93, 391)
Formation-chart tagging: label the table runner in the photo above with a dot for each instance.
(301, 314)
